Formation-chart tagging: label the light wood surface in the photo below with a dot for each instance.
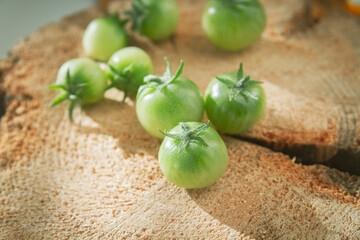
(99, 177)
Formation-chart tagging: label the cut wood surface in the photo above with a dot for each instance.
(99, 177)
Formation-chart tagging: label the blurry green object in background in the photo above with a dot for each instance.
(155, 19)
(233, 24)
(104, 36)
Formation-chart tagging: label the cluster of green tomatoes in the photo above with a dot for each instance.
(192, 154)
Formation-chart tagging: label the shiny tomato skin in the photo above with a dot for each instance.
(136, 61)
(238, 115)
(233, 25)
(84, 71)
(180, 101)
(102, 37)
(196, 166)
(161, 19)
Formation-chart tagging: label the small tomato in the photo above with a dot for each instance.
(104, 36)
(127, 69)
(156, 19)
(163, 102)
(81, 81)
(193, 155)
(233, 24)
(234, 102)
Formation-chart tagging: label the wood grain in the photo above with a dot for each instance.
(99, 177)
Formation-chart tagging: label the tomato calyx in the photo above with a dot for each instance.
(137, 15)
(239, 85)
(164, 80)
(122, 80)
(117, 18)
(188, 135)
(70, 91)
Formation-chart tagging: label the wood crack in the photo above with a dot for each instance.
(344, 160)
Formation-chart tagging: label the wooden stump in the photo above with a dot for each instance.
(99, 177)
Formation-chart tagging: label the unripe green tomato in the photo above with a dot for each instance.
(237, 115)
(193, 164)
(132, 64)
(163, 102)
(156, 19)
(181, 101)
(104, 36)
(87, 72)
(161, 20)
(233, 24)
(81, 81)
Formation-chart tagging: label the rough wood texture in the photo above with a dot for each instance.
(99, 177)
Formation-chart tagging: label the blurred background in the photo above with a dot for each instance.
(21, 17)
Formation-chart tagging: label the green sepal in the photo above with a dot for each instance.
(117, 17)
(199, 140)
(185, 127)
(56, 87)
(200, 129)
(70, 91)
(188, 135)
(121, 80)
(164, 80)
(59, 99)
(226, 81)
(137, 15)
(178, 72)
(173, 136)
(240, 72)
(239, 85)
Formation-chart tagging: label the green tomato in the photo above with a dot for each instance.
(127, 69)
(163, 102)
(193, 155)
(81, 81)
(156, 19)
(234, 102)
(233, 24)
(104, 36)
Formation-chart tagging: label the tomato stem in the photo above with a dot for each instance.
(178, 72)
(166, 78)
